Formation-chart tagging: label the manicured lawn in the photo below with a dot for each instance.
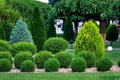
(60, 76)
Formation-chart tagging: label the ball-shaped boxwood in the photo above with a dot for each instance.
(55, 45)
(89, 57)
(41, 57)
(118, 63)
(6, 55)
(78, 64)
(20, 57)
(5, 65)
(103, 64)
(52, 65)
(23, 46)
(90, 39)
(64, 58)
(27, 66)
(4, 45)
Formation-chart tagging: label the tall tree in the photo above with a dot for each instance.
(38, 29)
(20, 33)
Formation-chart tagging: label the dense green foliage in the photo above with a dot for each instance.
(23, 46)
(112, 32)
(64, 58)
(41, 57)
(78, 64)
(5, 65)
(52, 65)
(20, 33)
(51, 31)
(68, 30)
(20, 57)
(4, 45)
(2, 32)
(6, 55)
(118, 63)
(90, 39)
(27, 66)
(89, 57)
(38, 29)
(55, 45)
(103, 64)
(52, 2)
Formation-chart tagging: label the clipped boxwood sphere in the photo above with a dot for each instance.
(4, 45)
(20, 57)
(89, 57)
(27, 66)
(78, 64)
(6, 55)
(52, 65)
(55, 45)
(41, 57)
(90, 39)
(64, 58)
(118, 63)
(23, 46)
(103, 64)
(5, 65)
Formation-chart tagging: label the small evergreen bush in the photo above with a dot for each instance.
(78, 64)
(20, 33)
(23, 46)
(55, 45)
(4, 45)
(52, 65)
(112, 32)
(103, 64)
(6, 55)
(118, 63)
(41, 57)
(5, 65)
(27, 66)
(89, 57)
(20, 57)
(64, 59)
(90, 39)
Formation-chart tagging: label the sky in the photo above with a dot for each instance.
(46, 1)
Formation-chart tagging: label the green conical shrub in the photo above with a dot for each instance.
(38, 29)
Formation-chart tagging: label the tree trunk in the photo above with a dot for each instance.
(76, 27)
(103, 29)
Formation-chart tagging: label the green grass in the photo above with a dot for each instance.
(60, 76)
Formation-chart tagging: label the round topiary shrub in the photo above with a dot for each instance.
(90, 39)
(112, 32)
(78, 64)
(55, 45)
(20, 57)
(5, 65)
(23, 46)
(52, 65)
(41, 57)
(4, 45)
(89, 57)
(64, 58)
(103, 64)
(27, 66)
(6, 55)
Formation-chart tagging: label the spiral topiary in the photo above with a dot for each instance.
(78, 64)
(89, 57)
(5, 65)
(27, 66)
(23, 46)
(20, 57)
(103, 64)
(6, 55)
(90, 39)
(52, 65)
(41, 57)
(64, 58)
(55, 45)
